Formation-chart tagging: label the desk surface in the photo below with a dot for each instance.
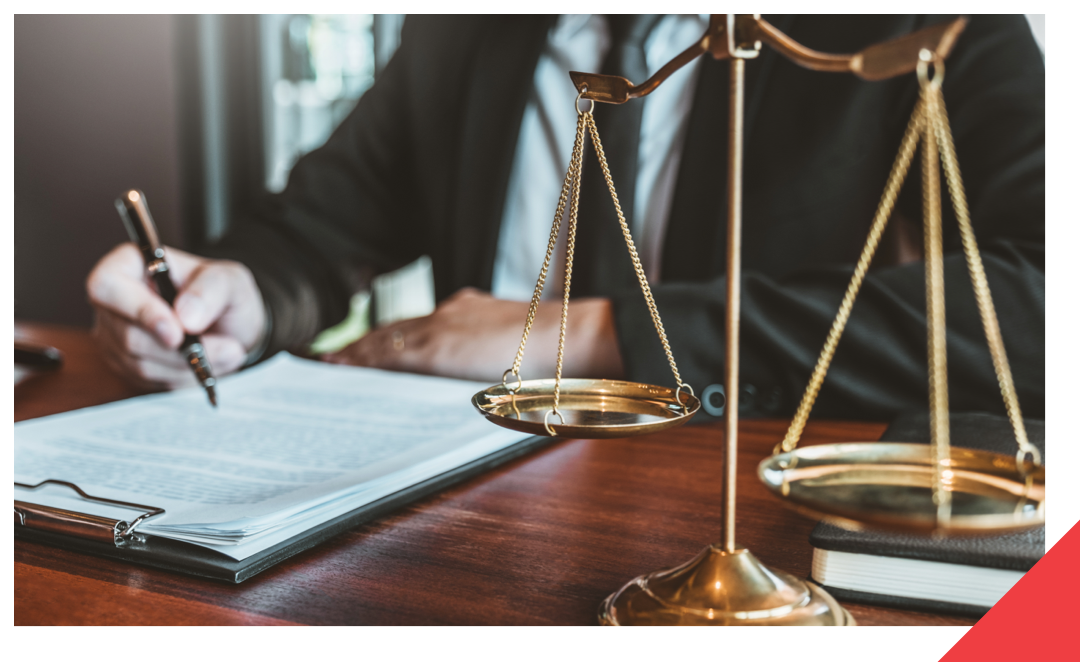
(541, 540)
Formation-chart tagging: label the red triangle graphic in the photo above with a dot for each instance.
(1036, 618)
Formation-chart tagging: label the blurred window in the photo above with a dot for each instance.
(1038, 28)
(315, 68)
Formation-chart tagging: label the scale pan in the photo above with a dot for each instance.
(592, 408)
(887, 485)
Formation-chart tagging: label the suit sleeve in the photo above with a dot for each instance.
(342, 217)
(994, 90)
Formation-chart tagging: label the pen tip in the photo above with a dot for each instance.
(213, 396)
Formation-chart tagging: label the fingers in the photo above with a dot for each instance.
(222, 296)
(140, 334)
(468, 293)
(401, 346)
(224, 353)
(116, 285)
(182, 265)
(369, 351)
(139, 357)
(124, 337)
(205, 297)
(149, 365)
(471, 334)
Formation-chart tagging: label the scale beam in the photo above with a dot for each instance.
(740, 36)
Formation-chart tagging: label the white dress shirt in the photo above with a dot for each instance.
(580, 43)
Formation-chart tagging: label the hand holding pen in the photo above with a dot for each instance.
(141, 335)
(135, 214)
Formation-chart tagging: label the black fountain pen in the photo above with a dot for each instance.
(140, 227)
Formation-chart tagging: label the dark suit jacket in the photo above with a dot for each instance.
(421, 167)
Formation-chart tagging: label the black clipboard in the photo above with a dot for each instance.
(131, 545)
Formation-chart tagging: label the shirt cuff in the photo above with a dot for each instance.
(256, 353)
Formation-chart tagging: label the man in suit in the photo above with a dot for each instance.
(450, 154)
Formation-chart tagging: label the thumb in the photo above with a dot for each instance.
(224, 353)
(205, 298)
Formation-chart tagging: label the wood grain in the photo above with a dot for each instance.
(50, 597)
(83, 381)
(539, 541)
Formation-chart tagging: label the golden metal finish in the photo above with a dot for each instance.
(925, 488)
(638, 269)
(725, 585)
(734, 290)
(616, 89)
(902, 55)
(891, 485)
(571, 236)
(573, 175)
(877, 228)
(935, 304)
(593, 408)
(739, 36)
(978, 280)
(903, 477)
(594, 415)
(719, 587)
(878, 62)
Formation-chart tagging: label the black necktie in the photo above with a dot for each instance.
(602, 264)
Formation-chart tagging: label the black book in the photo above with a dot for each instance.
(961, 575)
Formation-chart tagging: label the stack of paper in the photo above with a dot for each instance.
(294, 443)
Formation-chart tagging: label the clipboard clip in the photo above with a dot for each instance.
(82, 525)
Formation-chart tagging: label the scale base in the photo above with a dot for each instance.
(721, 588)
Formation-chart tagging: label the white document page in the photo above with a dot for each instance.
(294, 443)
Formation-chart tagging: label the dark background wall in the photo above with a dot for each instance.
(168, 104)
(95, 113)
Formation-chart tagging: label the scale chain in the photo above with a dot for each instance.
(981, 287)
(930, 122)
(571, 234)
(642, 280)
(573, 173)
(881, 218)
(935, 309)
(571, 190)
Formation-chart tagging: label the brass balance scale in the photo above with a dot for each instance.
(931, 489)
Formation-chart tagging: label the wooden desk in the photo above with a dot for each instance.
(541, 540)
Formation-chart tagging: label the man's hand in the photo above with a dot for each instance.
(140, 334)
(473, 335)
